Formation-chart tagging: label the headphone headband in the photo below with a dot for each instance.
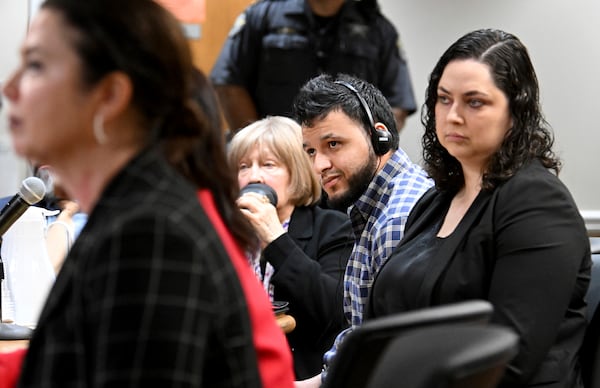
(362, 101)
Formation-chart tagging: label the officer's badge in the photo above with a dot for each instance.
(359, 29)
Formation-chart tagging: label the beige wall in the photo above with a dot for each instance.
(220, 15)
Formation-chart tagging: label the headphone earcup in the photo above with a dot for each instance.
(382, 142)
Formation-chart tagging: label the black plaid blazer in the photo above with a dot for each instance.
(147, 296)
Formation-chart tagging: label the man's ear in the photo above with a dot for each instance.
(381, 127)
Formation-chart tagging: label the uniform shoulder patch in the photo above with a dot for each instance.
(401, 49)
(238, 25)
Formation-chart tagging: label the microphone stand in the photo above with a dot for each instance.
(10, 331)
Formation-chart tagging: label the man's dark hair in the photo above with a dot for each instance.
(322, 95)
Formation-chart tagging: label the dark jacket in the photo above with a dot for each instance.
(147, 296)
(276, 46)
(309, 263)
(523, 247)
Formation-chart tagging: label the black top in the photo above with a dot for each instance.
(309, 263)
(416, 255)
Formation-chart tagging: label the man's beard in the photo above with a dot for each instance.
(357, 185)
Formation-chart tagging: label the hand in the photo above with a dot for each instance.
(262, 216)
(68, 210)
(312, 382)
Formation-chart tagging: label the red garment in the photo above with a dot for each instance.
(10, 367)
(274, 357)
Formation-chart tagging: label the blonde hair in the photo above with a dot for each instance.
(283, 137)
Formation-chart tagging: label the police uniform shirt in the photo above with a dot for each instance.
(275, 46)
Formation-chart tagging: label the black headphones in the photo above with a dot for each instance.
(381, 140)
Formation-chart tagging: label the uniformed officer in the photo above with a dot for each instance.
(275, 46)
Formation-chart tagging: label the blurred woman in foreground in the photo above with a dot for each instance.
(148, 294)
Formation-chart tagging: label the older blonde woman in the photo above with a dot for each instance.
(304, 247)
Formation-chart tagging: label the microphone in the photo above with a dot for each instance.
(31, 192)
(261, 189)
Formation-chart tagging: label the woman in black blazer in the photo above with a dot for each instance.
(499, 225)
(304, 248)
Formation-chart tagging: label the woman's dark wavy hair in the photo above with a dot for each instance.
(144, 41)
(513, 73)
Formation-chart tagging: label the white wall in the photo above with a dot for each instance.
(13, 25)
(562, 38)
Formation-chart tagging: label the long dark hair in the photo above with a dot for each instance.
(513, 73)
(144, 41)
(206, 165)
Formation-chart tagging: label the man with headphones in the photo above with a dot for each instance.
(350, 134)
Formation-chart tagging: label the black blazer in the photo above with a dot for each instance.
(309, 263)
(147, 296)
(523, 247)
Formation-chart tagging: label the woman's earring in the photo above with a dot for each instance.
(99, 133)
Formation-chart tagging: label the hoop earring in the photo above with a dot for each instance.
(99, 133)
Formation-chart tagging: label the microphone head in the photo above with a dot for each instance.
(32, 190)
(261, 189)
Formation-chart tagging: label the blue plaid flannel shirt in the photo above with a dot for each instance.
(378, 219)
